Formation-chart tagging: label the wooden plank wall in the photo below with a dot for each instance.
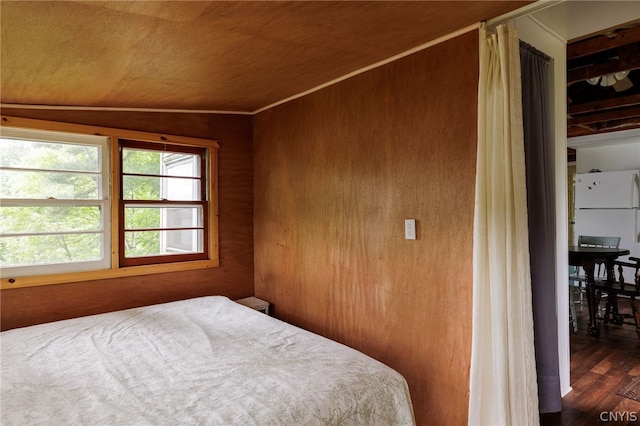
(234, 277)
(335, 175)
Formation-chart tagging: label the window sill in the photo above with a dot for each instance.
(132, 271)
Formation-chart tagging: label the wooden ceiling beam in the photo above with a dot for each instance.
(596, 56)
(623, 63)
(574, 131)
(623, 124)
(604, 104)
(606, 127)
(605, 116)
(602, 43)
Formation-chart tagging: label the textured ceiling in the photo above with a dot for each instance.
(220, 55)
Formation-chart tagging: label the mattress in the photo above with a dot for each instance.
(202, 361)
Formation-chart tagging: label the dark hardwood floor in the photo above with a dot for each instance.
(600, 367)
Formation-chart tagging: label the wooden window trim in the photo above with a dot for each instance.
(202, 203)
(115, 271)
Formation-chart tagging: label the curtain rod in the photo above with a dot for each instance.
(523, 11)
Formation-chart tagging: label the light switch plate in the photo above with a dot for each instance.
(410, 229)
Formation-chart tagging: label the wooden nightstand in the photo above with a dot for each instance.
(255, 303)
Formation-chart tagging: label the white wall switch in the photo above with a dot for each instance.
(409, 229)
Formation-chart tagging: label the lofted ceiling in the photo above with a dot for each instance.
(212, 55)
(603, 78)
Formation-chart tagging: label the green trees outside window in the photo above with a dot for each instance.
(60, 213)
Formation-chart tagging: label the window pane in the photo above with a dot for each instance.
(28, 154)
(141, 217)
(43, 185)
(162, 217)
(166, 163)
(141, 161)
(34, 219)
(154, 243)
(49, 249)
(187, 165)
(140, 188)
(154, 188)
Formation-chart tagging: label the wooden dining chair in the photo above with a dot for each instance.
(625, 286)
(577, 277)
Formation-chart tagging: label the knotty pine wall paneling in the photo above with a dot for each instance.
(234, 278)
(335, 174)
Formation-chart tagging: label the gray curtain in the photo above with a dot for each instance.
(539, 160)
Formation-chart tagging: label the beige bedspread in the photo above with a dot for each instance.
(203, 361)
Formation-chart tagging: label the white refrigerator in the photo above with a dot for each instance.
(608, 205)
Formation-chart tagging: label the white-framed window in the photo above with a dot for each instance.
(54, 202)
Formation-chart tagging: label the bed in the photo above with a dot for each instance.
(202, 361)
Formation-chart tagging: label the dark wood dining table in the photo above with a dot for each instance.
(586, 257)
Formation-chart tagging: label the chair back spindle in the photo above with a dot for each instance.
(617, 288)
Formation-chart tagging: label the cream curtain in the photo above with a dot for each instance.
(503, 387)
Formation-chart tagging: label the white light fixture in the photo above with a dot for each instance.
(621, 75)
(618, 79)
